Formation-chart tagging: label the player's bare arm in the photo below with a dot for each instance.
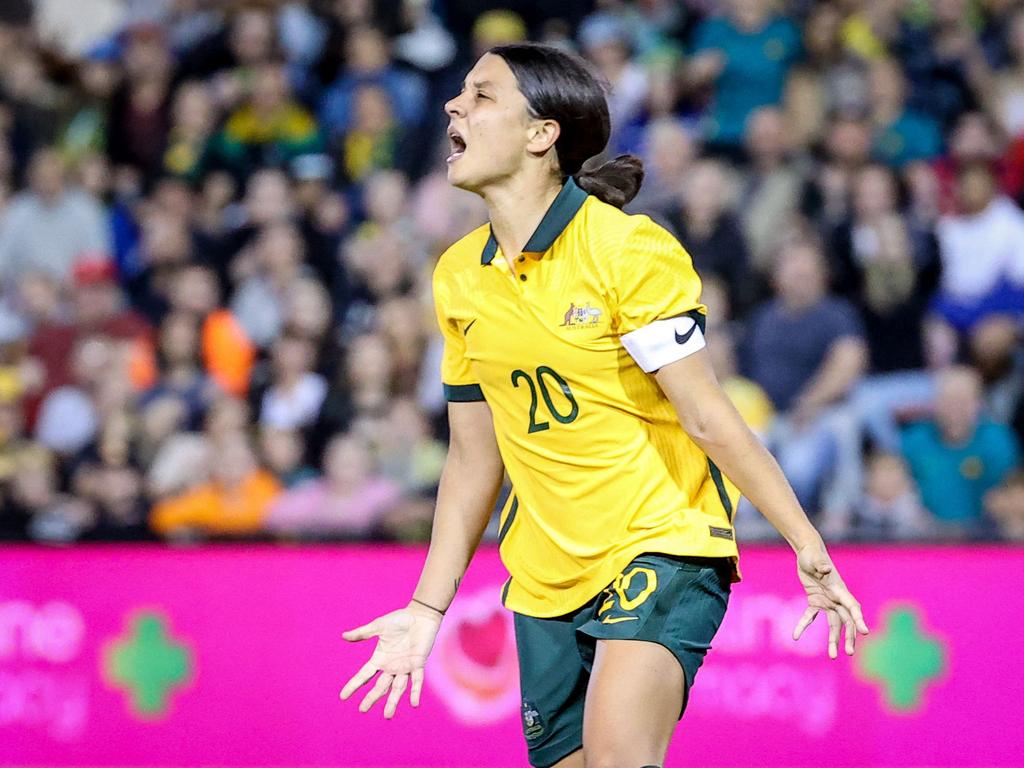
(468, 490)
(710, 419)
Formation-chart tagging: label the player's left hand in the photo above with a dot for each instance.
(404, 640)
(827, 592)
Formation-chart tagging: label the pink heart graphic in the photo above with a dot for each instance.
(474, 668)
(483, 641)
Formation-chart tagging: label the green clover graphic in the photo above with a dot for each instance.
(147, 663)
(902, 659)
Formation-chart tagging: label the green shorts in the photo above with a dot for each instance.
(678, 602)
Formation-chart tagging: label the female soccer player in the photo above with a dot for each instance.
(574, 359)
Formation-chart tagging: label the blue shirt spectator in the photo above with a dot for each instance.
(902, 135)
(958, 456)
(753, 57)
(369, 64)
(911, 136)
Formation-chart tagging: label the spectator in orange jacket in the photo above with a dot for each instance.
(233, 503)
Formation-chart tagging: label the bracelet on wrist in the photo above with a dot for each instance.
(426, 605)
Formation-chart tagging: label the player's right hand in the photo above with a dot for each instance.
(404, 639)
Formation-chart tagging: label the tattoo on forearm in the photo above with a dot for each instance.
(457, 582)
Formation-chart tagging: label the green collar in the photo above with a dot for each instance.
(557, 218)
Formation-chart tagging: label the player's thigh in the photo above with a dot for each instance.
(650, 632)
(633, 702)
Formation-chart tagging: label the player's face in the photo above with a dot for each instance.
(488, 126)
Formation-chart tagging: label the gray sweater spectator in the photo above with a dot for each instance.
(805, 347)
(49, 226)
(807, 350)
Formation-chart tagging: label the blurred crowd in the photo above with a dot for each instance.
(218, 222)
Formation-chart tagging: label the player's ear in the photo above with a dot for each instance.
(542, 136)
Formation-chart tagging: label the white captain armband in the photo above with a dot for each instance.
(663, 342)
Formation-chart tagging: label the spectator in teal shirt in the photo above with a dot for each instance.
(957, 456)
(746, 56)
(901, 135)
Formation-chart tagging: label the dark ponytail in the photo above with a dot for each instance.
(559, 86)
(616, 182)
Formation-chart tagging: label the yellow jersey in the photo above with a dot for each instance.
(562, 347)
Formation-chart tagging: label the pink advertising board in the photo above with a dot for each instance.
(232, 656)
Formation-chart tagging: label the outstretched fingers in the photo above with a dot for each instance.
(417, 686)
(849, 602)
(398, 686)
(375, 693)
(833, 632)
(849, 629)
(805, 622)
(362, 633)
(359, 679)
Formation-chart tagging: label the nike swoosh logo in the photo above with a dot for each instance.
(471, 322)
(617, 619)
(686, 336)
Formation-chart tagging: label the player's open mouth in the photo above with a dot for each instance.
(458, 145)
